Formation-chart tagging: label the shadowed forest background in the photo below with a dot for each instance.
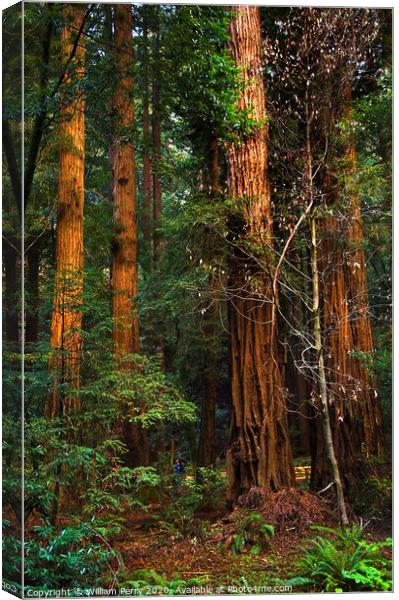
(205, 193)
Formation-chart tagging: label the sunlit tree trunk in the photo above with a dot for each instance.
(124, 267)
(259, 452)
(65, 339)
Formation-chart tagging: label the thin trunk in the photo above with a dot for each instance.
(259, 452)
(147, 162)
(65, 338)
(206, 455)
(124, 267)
(12, 164)
(206, 447)
(317, 330)
(322, 382)
(11, 292)
(39, 123)
(156, 142)
(32, 289)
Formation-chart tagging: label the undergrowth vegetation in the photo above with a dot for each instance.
(344, 561)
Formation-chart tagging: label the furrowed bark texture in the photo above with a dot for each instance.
(355, 411)
(259, 451)
(124, 266)
(66, 319)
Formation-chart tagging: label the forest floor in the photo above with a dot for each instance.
(147, 547)
(199, 550)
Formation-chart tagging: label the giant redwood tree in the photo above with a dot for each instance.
(124, 264)
(259, 451)
(354, 404)
(66, 320)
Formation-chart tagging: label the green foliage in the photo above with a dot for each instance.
(252, 532)
(193, 495)
(343, 561)
(76, 556)
(374, 490)
(148, 582)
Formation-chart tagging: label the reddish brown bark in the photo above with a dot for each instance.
(124, 266)
(259, 452)
(66, 322)
(355, 411)
(147, 162)
(156, 142)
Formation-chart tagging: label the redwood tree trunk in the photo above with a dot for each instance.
(147, 162)
(66, 322)
(124, 267)
(355, 411)
(259, 452)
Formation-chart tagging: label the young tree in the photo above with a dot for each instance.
(124, 264)
(66, 320)
(259, 452)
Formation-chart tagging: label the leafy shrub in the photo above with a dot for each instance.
(252, 532)
(343, 561)
(374, 497)
(210, 484)
(202, 493)
(75, 556)
(149, 582)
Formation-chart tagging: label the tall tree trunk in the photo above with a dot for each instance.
(32, 288)
(11, 287)
(156, 141)
(259, 452)
(360, 317)
(66, 321)
(321, 377)
(206, 446)
(124, 267)
(147, 162)
(355, 411)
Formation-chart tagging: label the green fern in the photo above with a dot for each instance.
(344, 561)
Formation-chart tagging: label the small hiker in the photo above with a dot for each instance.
(179, 472)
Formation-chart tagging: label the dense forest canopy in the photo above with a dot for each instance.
(206, 258)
